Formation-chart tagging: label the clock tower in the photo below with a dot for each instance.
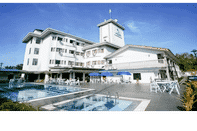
(111, 31)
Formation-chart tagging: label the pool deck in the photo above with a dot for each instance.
(159, 101)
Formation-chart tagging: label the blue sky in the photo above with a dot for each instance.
(164, 25)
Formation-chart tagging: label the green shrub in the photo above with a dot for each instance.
(189, 98)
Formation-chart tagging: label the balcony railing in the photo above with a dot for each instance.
(137, 65)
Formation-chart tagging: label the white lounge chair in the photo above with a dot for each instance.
(154, 86)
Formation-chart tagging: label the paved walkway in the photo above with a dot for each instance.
(159, 101)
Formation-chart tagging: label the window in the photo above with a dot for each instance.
(88, 63)
(70, 63)
(110, 62)
(88, 53)
(58, 49)
(102, 62)
(93, 62)
(49, 61)
(36, 51)
(53, 37)
(59, 39)
(94, 52)
(52, 61)
(28, 61)
(99, 62)
(82, 54)
(31, 41)
(65, 50)
(77, 43)
(38, 40)
(61, 62)
(102, 51)
(52, 49)
(137, 76)
(72, 41)
(64, 62)
(77, 53)
(29, 50)
(35, 62)
(71, 52)
(57, 61)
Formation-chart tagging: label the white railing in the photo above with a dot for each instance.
(137, 65)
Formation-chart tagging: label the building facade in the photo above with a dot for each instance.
(54, 54)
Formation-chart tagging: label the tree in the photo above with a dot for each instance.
(19, 66)
(187, 61)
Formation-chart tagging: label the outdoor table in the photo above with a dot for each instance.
(167, 85)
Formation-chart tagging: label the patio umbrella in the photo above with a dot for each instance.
(106, 74)
(94, 74)
(123, 73)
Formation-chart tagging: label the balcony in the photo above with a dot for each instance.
(138, 65)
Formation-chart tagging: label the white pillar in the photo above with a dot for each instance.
(23, 75)
(38, 76)
(60, 75)
(70, 76)
(73, 75)
(46, 78)
(83, 77)
(167, 70)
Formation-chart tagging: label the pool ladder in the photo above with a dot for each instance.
(116, 98)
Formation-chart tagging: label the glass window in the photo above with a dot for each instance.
(71, 52)
(137, 76)
(70, 63)
(98, 62)
(72, 41)
(38, 40)
(102, 62)
(36, 51)
(65, 50)
(59, 39)
(77, 53)
(58, 49)
(35, 62)
(82, 54)
(88, 53)
(57, 61)
(49, 61)
(88, 63)
(52, 49)
(93, 62)
(64, 62)
(102, 51)
(29, 50)
(53, 37)
(77, 43)
(28, 61)
(110, 62)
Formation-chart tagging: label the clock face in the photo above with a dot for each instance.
(117, 33)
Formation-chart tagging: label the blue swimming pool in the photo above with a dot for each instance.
(33, 91)
(97, 103)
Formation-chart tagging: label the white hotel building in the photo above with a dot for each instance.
(55, 54)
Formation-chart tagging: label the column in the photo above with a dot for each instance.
(60, 75)
(23, 75)
(70, 76)
(46, 78)
(73, 75)
(167, 70)
(83, 77)
(38, 76)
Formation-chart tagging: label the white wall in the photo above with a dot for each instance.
(134, 55)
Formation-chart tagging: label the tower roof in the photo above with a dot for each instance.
(111, 21)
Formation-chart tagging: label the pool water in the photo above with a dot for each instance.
(33, 91)
(95, 103)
